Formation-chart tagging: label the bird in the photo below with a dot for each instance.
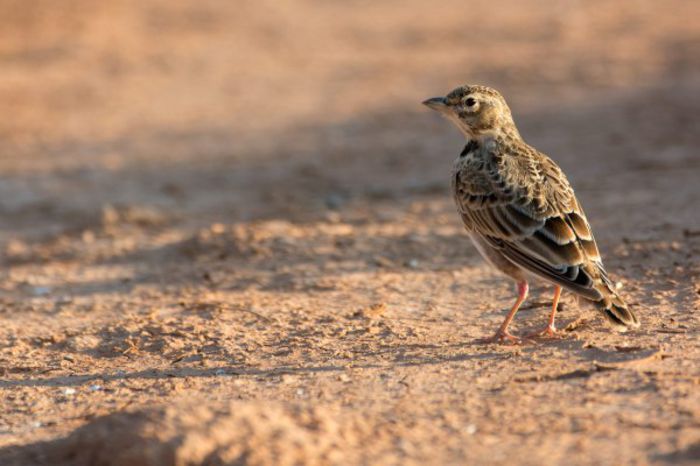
(521, 213)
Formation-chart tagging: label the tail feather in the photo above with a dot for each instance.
(614, 308)
(620, 317)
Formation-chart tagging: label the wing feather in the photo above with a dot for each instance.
(525, 207)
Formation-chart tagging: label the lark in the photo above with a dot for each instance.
(521, 212)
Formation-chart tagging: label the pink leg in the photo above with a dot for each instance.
(502, 334)
(550, 330)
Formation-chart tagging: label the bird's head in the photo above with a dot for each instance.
(475, 110)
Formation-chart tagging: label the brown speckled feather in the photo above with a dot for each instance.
(521, 203)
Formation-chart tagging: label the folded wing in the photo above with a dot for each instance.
(534, 220)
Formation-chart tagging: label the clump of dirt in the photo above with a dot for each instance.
(187, 433)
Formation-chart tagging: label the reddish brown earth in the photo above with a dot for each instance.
(227, 227)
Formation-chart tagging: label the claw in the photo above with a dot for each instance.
(503, 337)
(550, 331)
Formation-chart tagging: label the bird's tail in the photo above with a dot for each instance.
(614, 308)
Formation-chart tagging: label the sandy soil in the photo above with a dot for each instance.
(226, 227)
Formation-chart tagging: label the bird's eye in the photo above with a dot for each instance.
(470, 102)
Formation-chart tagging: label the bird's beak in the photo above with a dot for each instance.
(438, 104)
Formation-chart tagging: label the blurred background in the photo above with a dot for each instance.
(246, 200)
(217, 107)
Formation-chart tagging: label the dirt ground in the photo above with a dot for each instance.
(227, 235)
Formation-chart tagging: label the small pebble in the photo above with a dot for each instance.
(218, 228)
(69, 391)
(334, 201)
(41, 290)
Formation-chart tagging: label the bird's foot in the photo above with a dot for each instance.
(550, 331)
(503, 337)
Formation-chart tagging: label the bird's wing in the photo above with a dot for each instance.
(523, 205)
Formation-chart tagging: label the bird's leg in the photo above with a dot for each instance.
(550, 330)
(502, 334)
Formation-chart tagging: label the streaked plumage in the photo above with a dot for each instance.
(519, 208)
